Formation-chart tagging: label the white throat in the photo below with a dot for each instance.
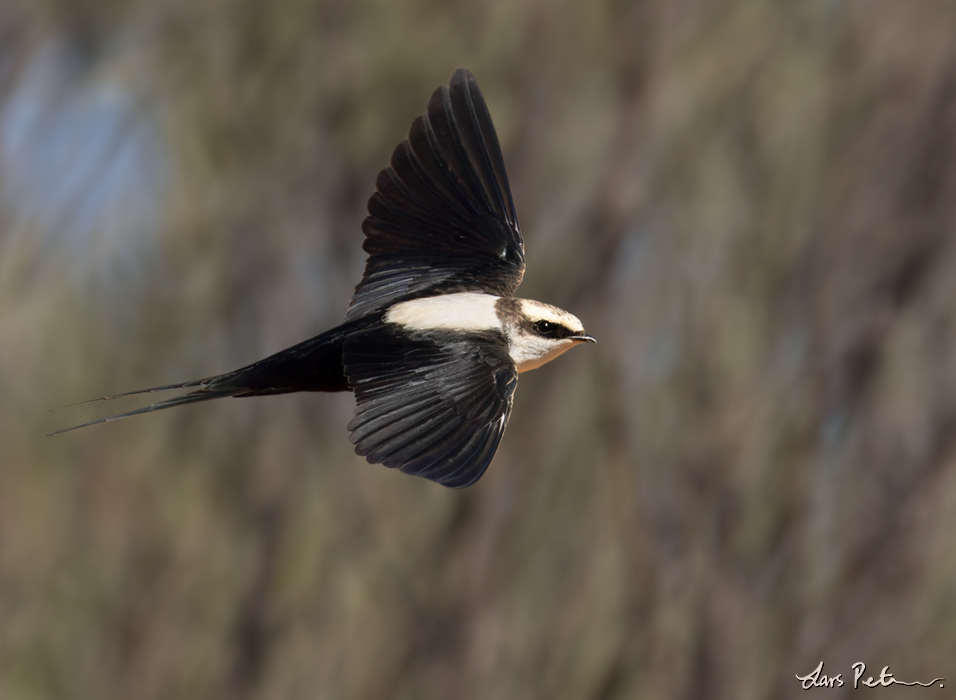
(529, 352)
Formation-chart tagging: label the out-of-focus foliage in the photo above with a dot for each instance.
(751, 205)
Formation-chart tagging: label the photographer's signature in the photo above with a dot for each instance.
(818, 679)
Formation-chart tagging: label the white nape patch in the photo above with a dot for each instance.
(464, 311)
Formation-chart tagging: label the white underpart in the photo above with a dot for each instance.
(530, 352)
(464, 311)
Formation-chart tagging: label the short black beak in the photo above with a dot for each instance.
(583, 338)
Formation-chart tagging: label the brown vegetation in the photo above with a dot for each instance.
(750, 204)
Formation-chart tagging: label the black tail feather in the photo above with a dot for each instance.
(313, 365)
(168, 387)
(203, 394)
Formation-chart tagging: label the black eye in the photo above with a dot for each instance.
(545, 327)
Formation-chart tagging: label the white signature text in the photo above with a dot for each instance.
(818, 679)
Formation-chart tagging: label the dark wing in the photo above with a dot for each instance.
(429, 404)
(442, 218)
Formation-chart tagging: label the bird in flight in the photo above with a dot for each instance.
(434, 338)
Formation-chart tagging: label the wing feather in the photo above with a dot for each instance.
(427, 404)
(442, 218)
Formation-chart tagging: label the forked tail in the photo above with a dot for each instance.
(313, 365)
(205, 392)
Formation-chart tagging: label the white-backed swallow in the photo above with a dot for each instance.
(434, 337)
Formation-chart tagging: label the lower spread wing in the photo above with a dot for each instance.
(428, 403)
(442, 218)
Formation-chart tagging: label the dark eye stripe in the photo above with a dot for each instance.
(550, 329)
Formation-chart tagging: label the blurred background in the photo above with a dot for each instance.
(751, 205)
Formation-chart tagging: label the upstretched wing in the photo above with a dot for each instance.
(442, 218)
(427, 403)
